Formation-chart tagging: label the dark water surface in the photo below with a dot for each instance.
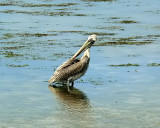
(121, 88)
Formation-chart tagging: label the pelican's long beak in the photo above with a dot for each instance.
(91, 39)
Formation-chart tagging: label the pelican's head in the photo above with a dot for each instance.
(92, 37)
(90, 41)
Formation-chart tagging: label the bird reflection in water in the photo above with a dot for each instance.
(74, 99)
(75, 109)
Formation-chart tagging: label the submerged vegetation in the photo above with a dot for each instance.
(128, 22)
(12, 41)
(124, 65)
(7, 36)
(12, 65)
(11, 54)
(135, 40)
(122, 43)
(153, 64)
(129, 43)
(129, 64)
(12, 35)
(110, 28)
(62, 13)
(101, 33)
(34, 34)
(14, 48)
(45, 13)
(23, 4)
(73, 31)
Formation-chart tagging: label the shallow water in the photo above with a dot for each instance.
(121, 87)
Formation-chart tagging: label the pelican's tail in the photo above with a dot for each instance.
(51, 80)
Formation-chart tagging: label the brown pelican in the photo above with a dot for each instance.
(73, 69)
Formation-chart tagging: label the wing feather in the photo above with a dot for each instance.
(70, 69)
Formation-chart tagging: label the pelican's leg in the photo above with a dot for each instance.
(68, 84)
(72, 84)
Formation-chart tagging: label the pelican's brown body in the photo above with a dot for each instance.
(73, 69)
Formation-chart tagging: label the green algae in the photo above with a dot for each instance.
(12, 42)
(49, 5)
(66, 4)
(134, 40)
(122, 43)
(115, 18)
(124, 65)
(74, 31)
(153, 64)
(151, 36)
(111, 28)
(23, 4)
(14, 48)
(128, 22)
(12, 65)
(5, 4)
(80, 15)
(11, 54)
(34, 34)
(100, 33)
(7, 36)
(45, 13)
(11, 35)
(129, 43)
